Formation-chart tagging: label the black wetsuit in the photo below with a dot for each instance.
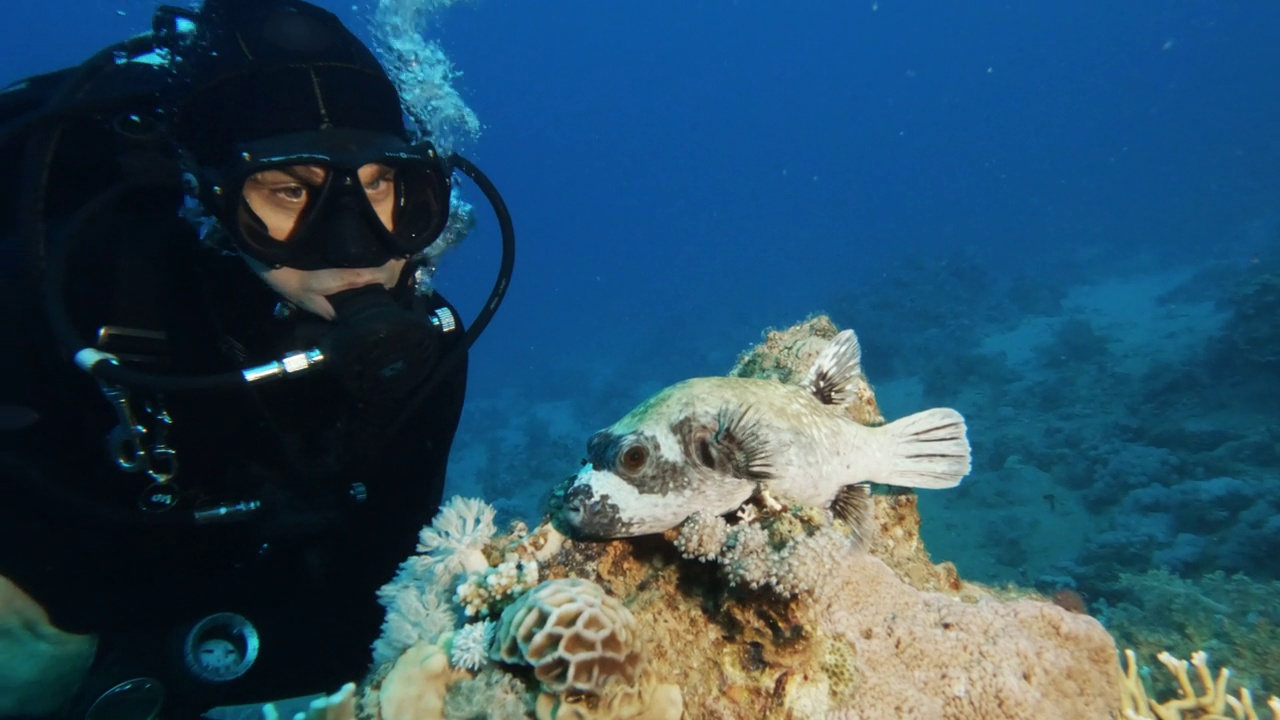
(341, 499)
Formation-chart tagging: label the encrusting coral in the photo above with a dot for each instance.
(413, 686)
(772, 612)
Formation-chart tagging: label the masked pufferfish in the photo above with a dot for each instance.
(713, 443)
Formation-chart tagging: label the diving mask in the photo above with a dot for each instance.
(333, 198)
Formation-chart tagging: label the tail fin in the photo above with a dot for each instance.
(930, 450)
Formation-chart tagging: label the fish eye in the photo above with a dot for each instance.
(633, 458)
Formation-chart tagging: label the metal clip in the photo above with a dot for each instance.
(124, 443)
(127, 442)
(162, 461)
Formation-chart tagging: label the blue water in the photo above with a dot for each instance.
(959, 182)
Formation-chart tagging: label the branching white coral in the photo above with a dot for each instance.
(469, 648)
(414, 612)
(702, 536)
(455, 540)
(417, 600)
(1210, 702)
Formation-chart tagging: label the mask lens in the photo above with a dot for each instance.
(421, 205)
(276, 202)
(291, 214)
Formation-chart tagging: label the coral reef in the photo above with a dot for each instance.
(859, 641)
(1232, 617)
(1251, 332)
(786, 354)
(1156, 443)
(412, 687)
(1209, 703)
(775, 611)
(1076, 341)
(451, 546)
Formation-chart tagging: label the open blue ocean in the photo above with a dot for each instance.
(1060, 218)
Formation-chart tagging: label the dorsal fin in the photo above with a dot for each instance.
(831, 377)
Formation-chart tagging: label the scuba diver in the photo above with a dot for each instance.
(231, 388)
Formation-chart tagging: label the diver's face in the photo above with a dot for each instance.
(278, 198)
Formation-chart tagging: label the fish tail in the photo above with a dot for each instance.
(930, 450)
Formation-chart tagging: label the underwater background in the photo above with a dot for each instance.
(1062, 219)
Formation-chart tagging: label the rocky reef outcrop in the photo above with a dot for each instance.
(772, 612)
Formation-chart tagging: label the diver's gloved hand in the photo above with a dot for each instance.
(379, 349)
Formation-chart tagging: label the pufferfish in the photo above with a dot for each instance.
(711, 444)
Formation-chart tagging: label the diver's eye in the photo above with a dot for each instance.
(633, 458)
(381, 183)
(290, 193)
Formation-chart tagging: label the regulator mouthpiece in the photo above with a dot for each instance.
(378, 348)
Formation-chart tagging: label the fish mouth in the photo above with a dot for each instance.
(574, 509)
(578, 503)
(591, 515)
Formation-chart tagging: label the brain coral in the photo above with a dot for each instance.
(585, 652)
(577, 638)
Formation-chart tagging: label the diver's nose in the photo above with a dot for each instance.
(349, 239)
